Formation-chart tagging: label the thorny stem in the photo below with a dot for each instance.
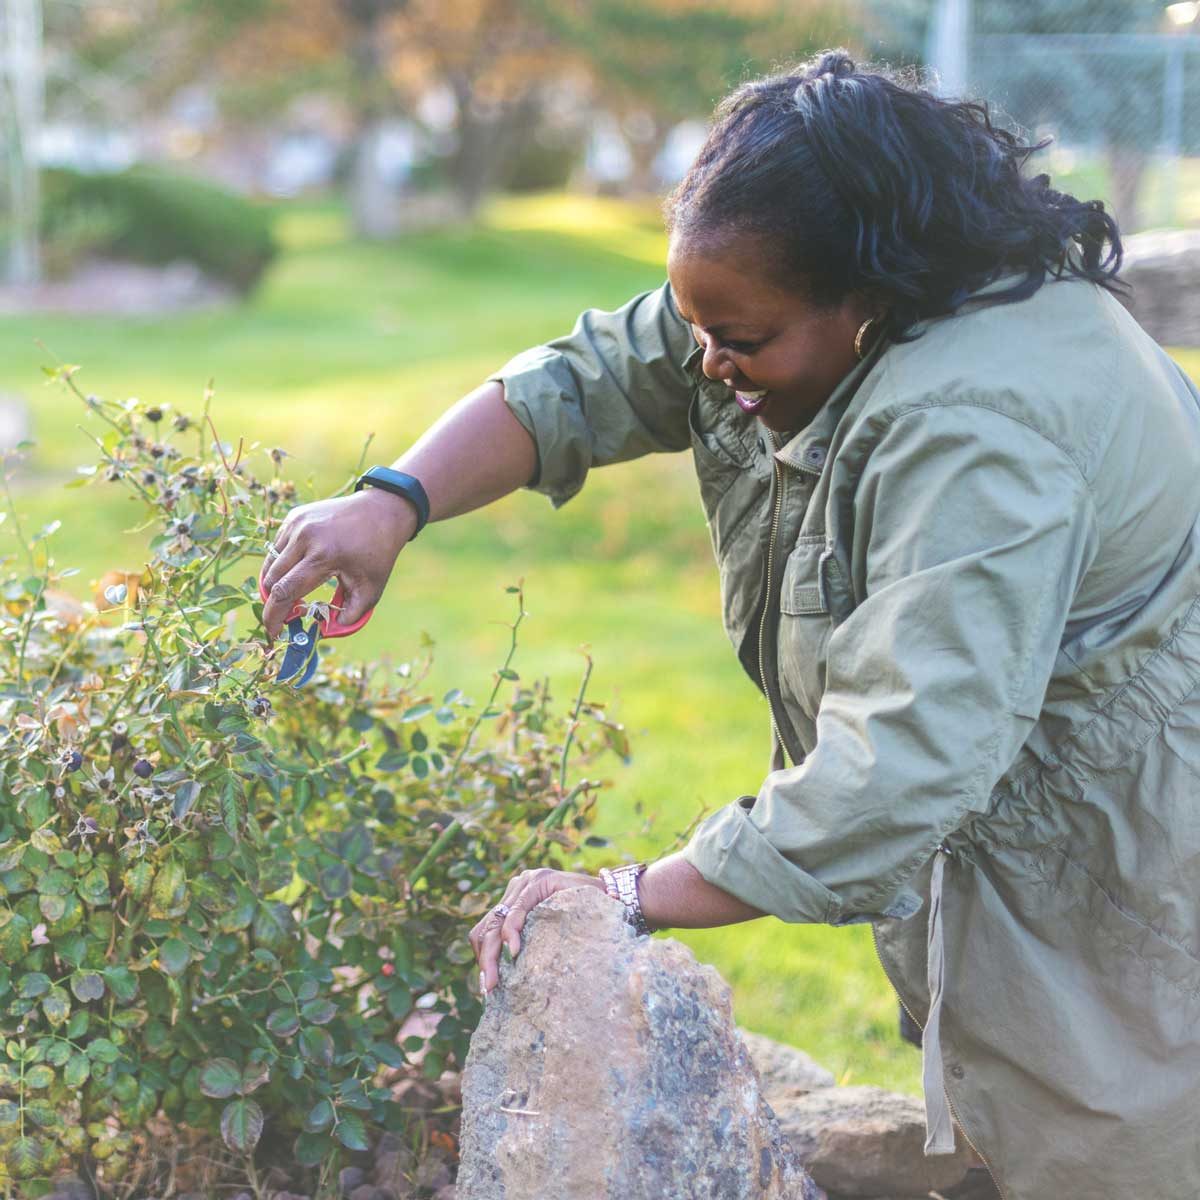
(574, 722)
(500, 678)
(11, 506)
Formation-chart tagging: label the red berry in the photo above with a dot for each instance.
(388, 969)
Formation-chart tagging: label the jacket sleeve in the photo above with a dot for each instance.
(971, 534)
(613, 389)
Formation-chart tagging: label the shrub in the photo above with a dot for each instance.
(219, 897)
(157, 216)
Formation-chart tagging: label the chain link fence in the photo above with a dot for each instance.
(1114, 83)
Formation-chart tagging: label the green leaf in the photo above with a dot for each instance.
(10, 1114)
(320, 1117)
(319, 1012)
(174, 956)
(33, 984)
(220, 1078)
(420, 766)
(307, 989)
(56, 1004)
(311, 1148)
(233, 804)
(335, 881)
(93, 887)
(102, 1050)
(55, 882)
(355, 844)
(52, 908)
(388, 1054)
(419, 740)
(283, 1022)
(122, 982)
(168, 896)
(241, 1125)
(417, 712)
(507, 673)
(351, 1131)
(38, 1077)
(137, 879)
(58, 1052)
(45, 840)
(24, 1158)
(254, 1076)
(87, 985)
(317, 1046)
(393, 760)
(186, 795)
(77, 1071)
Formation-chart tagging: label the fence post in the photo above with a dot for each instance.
(1172, 129)
(21, 42)
(948, 45)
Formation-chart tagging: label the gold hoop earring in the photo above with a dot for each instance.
(859, 352)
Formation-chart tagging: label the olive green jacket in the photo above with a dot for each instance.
(970, 589)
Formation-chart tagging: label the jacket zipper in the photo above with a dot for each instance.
(953, 1112)
(780, 483)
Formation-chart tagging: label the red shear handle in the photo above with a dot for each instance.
(329, 627)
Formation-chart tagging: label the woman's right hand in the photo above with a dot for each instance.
(355, 538)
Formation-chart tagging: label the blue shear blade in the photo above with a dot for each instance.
(309, 670)
(301, 647)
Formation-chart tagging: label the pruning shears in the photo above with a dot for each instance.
(307, 623)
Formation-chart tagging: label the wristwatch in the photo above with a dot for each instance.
(621, 884)
(399, 484)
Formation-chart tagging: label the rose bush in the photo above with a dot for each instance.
(220, 898)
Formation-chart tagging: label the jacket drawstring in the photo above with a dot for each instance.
(939, 1126)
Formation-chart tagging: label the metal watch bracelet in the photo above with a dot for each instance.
(621, 884)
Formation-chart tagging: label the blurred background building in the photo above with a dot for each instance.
(416, 110)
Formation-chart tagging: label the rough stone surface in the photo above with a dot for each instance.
(349, 1178)
(864, 1141)
(608, 1067)
(784, 1070)
(1163, 269)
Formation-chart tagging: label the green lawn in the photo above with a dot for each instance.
(343, 340)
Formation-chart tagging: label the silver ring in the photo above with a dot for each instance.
(502, 909)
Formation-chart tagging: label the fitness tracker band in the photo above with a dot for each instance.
(399, 484)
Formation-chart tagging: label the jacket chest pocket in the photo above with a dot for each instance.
(805, 625)
(734, 489)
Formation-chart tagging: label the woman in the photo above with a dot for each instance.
(954, 494)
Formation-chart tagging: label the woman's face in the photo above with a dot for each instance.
(780, 354)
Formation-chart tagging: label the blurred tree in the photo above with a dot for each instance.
(657, 62)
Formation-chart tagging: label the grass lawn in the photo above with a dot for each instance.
(343, 340)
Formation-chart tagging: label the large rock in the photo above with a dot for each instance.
(608, 1067)
(1163, 271)
(864, 1141)
(782, 1069)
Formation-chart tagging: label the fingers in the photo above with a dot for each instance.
(487, 936)
(273, 567)
(358, 598)
(302, 574)
(523, 894)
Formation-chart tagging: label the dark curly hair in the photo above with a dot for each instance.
(863, 181)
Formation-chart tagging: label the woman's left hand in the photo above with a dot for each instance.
(524, 893)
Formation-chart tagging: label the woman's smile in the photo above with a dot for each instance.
(749, 401)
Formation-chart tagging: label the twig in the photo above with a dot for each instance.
(574, 723)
